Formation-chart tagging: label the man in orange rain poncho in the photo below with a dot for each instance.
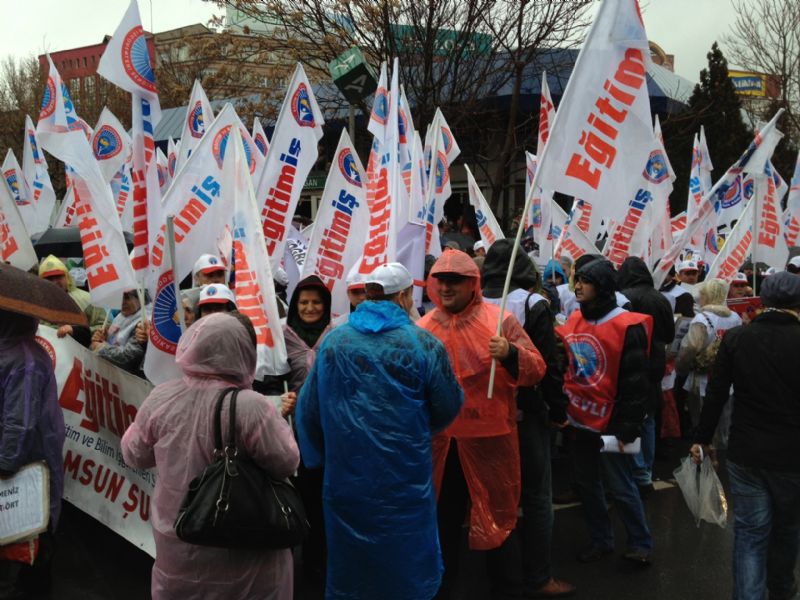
(476, 459)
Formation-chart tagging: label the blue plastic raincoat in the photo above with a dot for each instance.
(378, 390)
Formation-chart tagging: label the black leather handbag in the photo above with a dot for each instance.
(234, 503)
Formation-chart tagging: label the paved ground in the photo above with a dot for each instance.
(690, 563)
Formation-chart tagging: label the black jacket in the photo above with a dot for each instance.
(637, 285)
(538, 325)
(761, 361)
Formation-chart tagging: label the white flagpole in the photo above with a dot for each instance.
(175, 282)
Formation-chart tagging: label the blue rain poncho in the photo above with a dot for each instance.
(379, 387)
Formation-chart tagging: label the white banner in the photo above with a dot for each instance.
(15, 244)
(111, 144)
(293, 151)
(199, 116)
(488, 227)
(601, 135)
(340, 227)
(99, 402)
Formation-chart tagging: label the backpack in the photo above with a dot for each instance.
(706, 357)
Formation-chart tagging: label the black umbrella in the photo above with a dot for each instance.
(23, 293)
(66, 242)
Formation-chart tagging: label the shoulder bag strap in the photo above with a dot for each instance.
(218, 446)
(232, 421)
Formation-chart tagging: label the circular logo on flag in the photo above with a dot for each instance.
(442, 174)
(136, 59)
(48, 347)
(656, 169)
(587, 359)
(107, 143)
(447, 140)
(380, 106)
(260, 143)
(713, 242)
(13, 183)
(74, 124)
(49, 100)
(165, 331)
(730, 195)
(221, 142)
(301, 107)
(347, 165)
(749, 188)
(197, 125)
(162, 177)
(171, 163)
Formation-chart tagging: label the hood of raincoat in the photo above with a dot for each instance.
(309, 333)
(553, 266)
(495, 265)
(601, 274)
(455, 261)
(376, 317)
(14, 325)
(52, 263)
(218, 346)
(634, 272)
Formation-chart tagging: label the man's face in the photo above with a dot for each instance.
(456, 293)
(60, 281)
(688, 276)
(356, 296)
(212, 277)
(480, 252)
(738, 290)
(584, 290)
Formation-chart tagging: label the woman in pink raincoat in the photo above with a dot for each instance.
(173, 432)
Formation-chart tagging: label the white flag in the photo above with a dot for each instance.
(111, 144)
(791, 217)
(340, 227)
(105, 255)
(770, 245)
(293, 151)
(162, 167)
(199, 116)
(195, 199)
(736, 248)
(19, 190)
(254, 288)
(294, 257)
(15, 244)
(572, 240)
(172, 156)
(260, 137)
(34, 168)
(601, 135)
(487, 225)
(165, 330)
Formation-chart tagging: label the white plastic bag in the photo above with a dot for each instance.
(702, 491)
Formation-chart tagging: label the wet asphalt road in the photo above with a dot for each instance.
(689, 563)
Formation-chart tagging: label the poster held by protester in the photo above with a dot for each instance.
(100, 401)
(24, 503)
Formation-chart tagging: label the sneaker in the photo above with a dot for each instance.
(639, 557)
(555, 588)
(594, 553)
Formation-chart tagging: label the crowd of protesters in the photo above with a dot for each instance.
(401, 431)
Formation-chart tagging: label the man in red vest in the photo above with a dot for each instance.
(607, 386)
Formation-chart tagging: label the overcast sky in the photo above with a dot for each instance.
(685, 28)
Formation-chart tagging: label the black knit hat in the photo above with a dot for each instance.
(781, 290)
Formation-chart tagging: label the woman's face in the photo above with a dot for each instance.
(310, 307)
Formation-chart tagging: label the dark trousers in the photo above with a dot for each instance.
(536, 525)
(309, 484)
(502, 564)
(766, 510)
(19, 580)
(592, 468)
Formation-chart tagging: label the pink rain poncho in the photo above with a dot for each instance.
(173, 432)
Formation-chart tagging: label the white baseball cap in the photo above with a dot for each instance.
(770, 271)
(392, 277)
(216, 293)
(478, 245)
(795, 261)
(354, 281)
(208, 263)
(687, 265)
(739, 278)
(281, 277)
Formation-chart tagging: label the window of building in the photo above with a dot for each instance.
(90, 88)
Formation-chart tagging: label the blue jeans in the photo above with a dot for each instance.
(766, 510)
(536, 525)
(593, 467)
(643, 462)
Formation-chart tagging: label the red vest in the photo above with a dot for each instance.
(594, 353)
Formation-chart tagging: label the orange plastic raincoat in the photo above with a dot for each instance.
(486, 430)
